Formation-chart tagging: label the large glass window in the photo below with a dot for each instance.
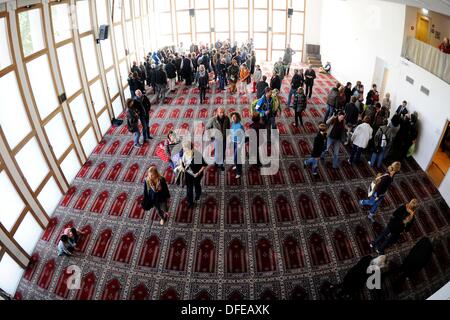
(83, 16)
(119, 41)
(69, 70)
(88, 141)
(28, 233)
(12, 204)
(49, 196)
(97, 96)
(89, 54)
(104, 122)
(102, 16)
(35, 171)
(79, 112)
(42, 85)
(10, 274)
(182, 4)
(112, 83)
(5, 53)
(107, 53)
(31, 35)
(58, 135)
(202, 20)
(70, 166)
(13, 117)
(62, 28)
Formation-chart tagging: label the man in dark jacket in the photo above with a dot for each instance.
(372, 96)
(171, 72)
(332, 101)
(261, 87)
(401, 221)
(222, 73)
(348, 92)
(133, 121)
(144, 106)
(310, 75)
(135, 83)
(177, 62)
(221, 123)
(296, 83)
(300, 103)
(318, 148)
(233, 75)
(161, 82)
(402, 111)
(351, 117)
(275, 82)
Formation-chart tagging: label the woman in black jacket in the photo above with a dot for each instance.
(203, 81)
(133, 121)
(156, 194)
(171, 72)
(319, 146)
(275, 82)
(300, 104)
(401, 221)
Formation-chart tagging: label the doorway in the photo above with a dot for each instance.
(423, 27)
(384, 82)
(441, 161)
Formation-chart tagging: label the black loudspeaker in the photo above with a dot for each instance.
(103, 32)
(192, 12)
(290, 12)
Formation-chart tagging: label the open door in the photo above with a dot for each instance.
(440, 164)
(423, 28)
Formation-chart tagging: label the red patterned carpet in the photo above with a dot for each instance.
(277, 237)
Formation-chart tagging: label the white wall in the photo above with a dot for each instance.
(312, 21)
(355, 32)
(434, 110)
(363, 37)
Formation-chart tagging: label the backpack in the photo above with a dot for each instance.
(382, 142)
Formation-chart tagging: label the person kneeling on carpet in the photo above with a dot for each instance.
(64, 246)
(156, 194)
(325, 69)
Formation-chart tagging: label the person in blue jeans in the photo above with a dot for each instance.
(336, 134)
(297, 81)
(382, 184)
(332, 101)
(238, 138)
(319, 145)
(401, 221)
(133, 121)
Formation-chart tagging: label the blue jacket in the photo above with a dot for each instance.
(235, 135)
(264, 105)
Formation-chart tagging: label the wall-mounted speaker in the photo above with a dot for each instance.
(290, 12)
(103, 32)
(192, 12)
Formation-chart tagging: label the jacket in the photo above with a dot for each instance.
(151, 197)
(263, 105)
(171, 70)
(310, 75)
(297, 81)
(319, 145)
(331, 123)
(132, 120)
(203, 80)
(233, 72)
(396, 225)
(300, 102)
(260, 89)
(351, 113)
(161, 77)
(275, 82)
(214, 123)
(333, 97)
(362, 135)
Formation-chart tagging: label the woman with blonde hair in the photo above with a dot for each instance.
(379, 188)
(156, 194)
(401, 221)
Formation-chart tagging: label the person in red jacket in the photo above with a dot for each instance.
(445, 46)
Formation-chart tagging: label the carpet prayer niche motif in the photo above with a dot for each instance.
(260, 237)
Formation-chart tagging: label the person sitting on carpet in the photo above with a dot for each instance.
(64, 247)
(325, 69)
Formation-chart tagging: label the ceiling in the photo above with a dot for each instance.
(440, 6)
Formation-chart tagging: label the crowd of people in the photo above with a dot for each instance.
(364, 122)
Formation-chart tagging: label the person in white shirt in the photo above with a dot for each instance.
(360, 139)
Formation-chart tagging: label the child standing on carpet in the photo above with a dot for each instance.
(156, 194)
(238, 138)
